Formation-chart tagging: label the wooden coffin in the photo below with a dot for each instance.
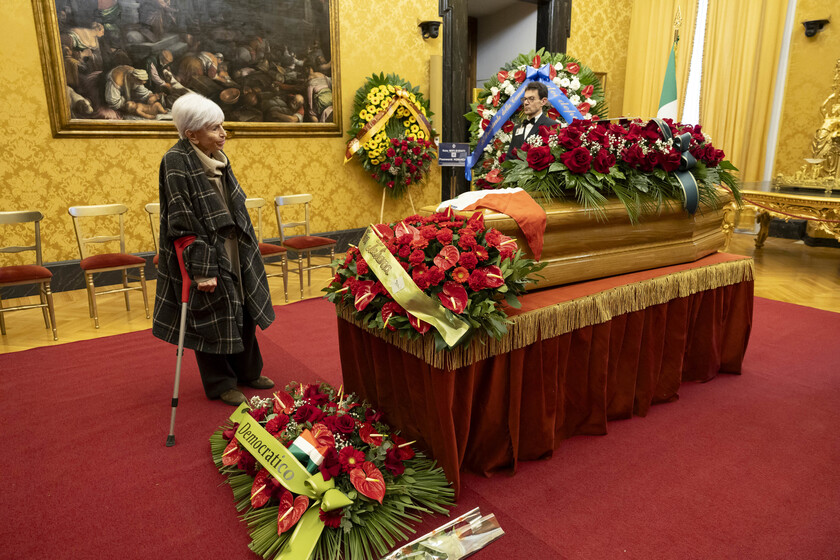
(578, 245)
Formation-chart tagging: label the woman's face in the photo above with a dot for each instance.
(209, 139)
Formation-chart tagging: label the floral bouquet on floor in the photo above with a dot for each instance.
(633, 160)
(471, 270)
(361, 485)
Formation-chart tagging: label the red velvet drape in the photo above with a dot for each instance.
(519, 406)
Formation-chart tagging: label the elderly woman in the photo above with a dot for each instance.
(200, 196)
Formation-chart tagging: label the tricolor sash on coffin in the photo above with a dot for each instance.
(380, 120)
(405, 292)
(284, 467)
(687, 181)
(556, 97)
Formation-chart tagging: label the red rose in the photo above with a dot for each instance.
(633, 155)
(391, 152)
(578, 160)
(385, 166)
(669, 161)
(572, 67)
(651, 132)
(603, 161)
(570, 138)
(344, 424)
(587, 91)
(393, 462)
(398, 160)
(308, 413)
(540, 158)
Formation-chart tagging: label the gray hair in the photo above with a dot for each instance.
(194, 112)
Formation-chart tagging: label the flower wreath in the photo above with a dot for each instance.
(391, 133)
(345, 441)
(577, 81)
(470, 269)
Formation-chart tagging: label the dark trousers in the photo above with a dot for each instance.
(222, 372)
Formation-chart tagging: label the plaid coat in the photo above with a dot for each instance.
(190, 205)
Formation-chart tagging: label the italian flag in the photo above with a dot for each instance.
(306, 449)
(668, 99)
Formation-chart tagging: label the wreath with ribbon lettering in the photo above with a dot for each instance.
(390, 133)
(574, 92)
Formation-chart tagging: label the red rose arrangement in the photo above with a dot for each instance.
(454, 259)
(629, 159)
(377, 469)
(406, 162)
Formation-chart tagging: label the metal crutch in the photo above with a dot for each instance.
(180, 245)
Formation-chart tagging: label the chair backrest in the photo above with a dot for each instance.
(79, 212)
(24, 217)
(256, 204)
(153, 208)
(287, 201)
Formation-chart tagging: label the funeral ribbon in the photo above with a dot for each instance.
(288, 471)
(687, 181)
(405, 292)
(380, 120)
(556, 97)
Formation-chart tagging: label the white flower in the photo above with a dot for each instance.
(575, 99)
(575, 84)
(489, 147)
(564, 82)
(556, 80)
(494, 90)
(509, 89)
(592, 102)
(558, 66)
(489, 100)
(523, 67)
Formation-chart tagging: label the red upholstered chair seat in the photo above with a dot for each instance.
(271, 249)
(307, 242)
(23, 273)
(110, 260)
(156, 260)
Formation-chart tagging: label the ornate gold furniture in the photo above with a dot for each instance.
(771, 200)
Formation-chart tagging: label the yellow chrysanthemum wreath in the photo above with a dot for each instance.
(390, 133)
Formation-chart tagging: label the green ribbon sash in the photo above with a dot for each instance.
(405, 292)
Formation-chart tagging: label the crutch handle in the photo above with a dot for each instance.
(180, 244)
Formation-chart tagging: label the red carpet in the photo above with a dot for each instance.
(741, 467)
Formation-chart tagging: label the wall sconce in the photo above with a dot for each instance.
(814, 26)
(430, 29)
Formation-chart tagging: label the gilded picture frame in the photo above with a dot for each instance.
(114, 67)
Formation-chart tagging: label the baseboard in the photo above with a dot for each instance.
(67, 275)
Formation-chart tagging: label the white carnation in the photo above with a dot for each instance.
(509, 89)
(575, 84)
(494, 90)
(575, 99)
(558, 66)
(564, 82)
(556, 80)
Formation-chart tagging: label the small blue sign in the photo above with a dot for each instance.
(453, 154)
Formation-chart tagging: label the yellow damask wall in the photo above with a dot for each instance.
(809, 82)
(39, 172)
(600, 32)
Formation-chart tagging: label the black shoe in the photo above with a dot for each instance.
(261, 382)
(233, 397)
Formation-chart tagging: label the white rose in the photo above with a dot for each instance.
(564, 82)
(558, 66)
(575, 84)
(494, 90)
(509, 89)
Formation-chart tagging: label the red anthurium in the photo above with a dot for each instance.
(231, 454)
(323, 436)
(290, 510)
(363, 290)
(552, 72)
(369, 436)
(447, 258)
(368, 480)
(404, 447)
(536, 62)
(403, 229)
(453, 297)
(496, 98)
(493, 275)
(501, 75)
(476, 221)
(389, 309)
(283, 402)
(419, 325)
(384, 230)
(264, 485)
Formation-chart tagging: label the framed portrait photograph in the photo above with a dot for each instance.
(115, 67)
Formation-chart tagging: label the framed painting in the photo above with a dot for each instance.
(114, 67)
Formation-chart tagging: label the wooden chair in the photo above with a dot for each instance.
(104, 262)
(301, 244)
(18, 275)
(153, 209)
(269, 251)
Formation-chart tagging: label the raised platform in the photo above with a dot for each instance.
(575, 357)
(578, 245)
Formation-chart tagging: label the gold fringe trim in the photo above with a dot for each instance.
(567, 316)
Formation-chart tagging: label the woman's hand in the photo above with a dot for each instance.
(207, 285)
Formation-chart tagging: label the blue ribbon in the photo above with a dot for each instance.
(556, 97)
(687, 181)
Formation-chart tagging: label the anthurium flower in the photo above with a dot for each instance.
(476, 221)
(384, 230)
(368, 480)
(263, 488)
(369, 436)
(406, 233)
(453, 297)
(350, 458)
(363, 291)
(231, 454)
(404, 447)
(419, 325)
(330, 467)
(390, 309)
(290, 511)
(323, 436)
(393, 462)
(493, 276)
(447, 257)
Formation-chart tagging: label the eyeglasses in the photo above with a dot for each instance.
(531, 99)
